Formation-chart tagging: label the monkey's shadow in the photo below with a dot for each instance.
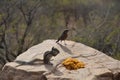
(33, 62)
(65, 49)
(38, 62)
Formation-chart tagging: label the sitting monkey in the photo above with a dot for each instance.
(49, 54)
(46, 58)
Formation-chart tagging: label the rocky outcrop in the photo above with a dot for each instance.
(98, 66)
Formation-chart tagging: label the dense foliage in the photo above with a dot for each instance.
(24, 23)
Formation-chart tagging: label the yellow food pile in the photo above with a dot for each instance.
(73, 64)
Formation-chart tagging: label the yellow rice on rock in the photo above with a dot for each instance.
(73, 64)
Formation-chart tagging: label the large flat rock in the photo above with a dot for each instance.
(98, 66)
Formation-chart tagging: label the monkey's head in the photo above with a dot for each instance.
(55, 51)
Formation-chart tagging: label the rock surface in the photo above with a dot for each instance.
(98, 66)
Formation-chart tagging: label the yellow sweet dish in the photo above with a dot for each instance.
(73, 64)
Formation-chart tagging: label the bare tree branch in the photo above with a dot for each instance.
(105, 19)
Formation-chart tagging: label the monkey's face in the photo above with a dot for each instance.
(55, 51)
